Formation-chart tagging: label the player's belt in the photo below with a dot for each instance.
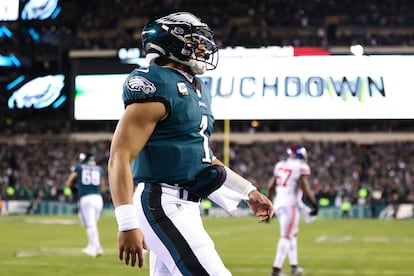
(179, 192)
(186, 195)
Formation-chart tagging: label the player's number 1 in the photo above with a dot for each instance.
(203, 128)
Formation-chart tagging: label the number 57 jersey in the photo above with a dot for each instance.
(287, 174)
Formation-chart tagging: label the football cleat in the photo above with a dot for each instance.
(280, 273)
(99, 251)
(297, 271)
(90, 251)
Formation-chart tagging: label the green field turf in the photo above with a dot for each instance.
(48, 245)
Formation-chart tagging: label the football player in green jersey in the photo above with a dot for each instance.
(161, 165)
(89, 180)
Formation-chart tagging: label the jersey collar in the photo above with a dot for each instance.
(188, 76)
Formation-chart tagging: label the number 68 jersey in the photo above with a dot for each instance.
(287, 174)
(88, 179)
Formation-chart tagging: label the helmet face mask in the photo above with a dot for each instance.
(181, 37)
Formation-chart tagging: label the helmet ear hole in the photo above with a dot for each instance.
(178, 31)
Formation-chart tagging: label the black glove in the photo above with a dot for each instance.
(314, 211)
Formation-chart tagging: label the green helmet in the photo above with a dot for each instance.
(177, 36)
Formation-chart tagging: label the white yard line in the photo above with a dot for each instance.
(56, 252)
(338, 239)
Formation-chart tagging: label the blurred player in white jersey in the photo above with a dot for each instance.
(289, 183)
(88, 178)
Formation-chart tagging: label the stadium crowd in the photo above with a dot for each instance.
(107, 24)
(339, 169)
(114, 24)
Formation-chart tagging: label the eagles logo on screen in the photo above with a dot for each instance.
(40, 9)
(138, 83)
(38, 93)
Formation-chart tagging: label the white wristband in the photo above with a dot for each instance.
(238, 183)
(126, 217)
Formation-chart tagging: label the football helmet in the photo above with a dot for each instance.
(87, 158)
(177, 36)
(297, 151)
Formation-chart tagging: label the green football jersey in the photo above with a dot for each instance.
(88, 179)
(179, 146)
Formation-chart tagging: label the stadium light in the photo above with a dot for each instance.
(357, 50)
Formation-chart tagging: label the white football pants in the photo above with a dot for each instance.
(89, 211)
(174, 233)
